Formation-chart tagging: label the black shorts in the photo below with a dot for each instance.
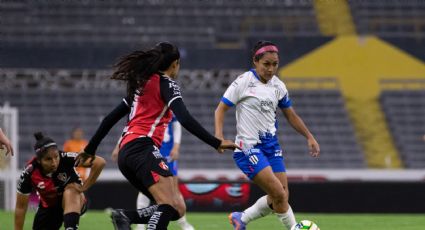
(51, 218)
(141, 163)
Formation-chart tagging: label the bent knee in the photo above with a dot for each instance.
(279, 195)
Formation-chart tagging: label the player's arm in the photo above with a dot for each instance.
(219, 119)
(95, 170)
(298, 124)
(87, 156)
(114, 154)
(177, 136)
(170, 93)
(20, 210)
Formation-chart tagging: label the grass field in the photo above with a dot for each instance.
(94, 220)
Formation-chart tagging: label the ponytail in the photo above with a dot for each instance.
(137, 67)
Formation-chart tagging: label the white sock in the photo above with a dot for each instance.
(184, 224)
(259, 209)
(287, 219)
(142, 202)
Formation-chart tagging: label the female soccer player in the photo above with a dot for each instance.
(52, 174)
(257, 94)
(152, 94)
(170, 150)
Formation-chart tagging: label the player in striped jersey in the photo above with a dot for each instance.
(257, 94)
(152, 94)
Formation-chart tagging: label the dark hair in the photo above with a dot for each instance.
(259, 45)
(42, 144)
(137, 67)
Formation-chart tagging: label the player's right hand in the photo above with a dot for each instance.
(227, 144)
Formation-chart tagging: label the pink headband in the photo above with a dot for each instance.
(270, 48)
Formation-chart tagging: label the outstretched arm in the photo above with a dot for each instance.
(87, 156)
(298, 124)
(189, 123)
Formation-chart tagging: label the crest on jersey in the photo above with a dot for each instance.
(62, 177)
(163, 165)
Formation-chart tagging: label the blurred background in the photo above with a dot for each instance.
(354, 70)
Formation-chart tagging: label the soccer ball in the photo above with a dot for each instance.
(305, 224)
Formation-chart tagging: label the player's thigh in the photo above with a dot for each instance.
(267, 181)
(282, 177)
(177, 190)
(72, 200)
(164, 192)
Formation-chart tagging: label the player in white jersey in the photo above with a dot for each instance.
(257, 94)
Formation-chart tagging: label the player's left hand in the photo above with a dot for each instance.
(313, 147)
(84, 159)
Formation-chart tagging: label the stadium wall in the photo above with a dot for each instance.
(324, 191)
(314, 197)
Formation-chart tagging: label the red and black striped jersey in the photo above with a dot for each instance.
(150, 110)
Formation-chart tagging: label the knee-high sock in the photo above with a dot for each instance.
(142, 202)
(162, 217)
(71, 220)
(287, 218)
(140, 216)
(257, 210)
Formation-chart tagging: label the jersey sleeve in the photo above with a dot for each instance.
(24, 183)
(283, 94)
(233, 93)
(170, 90)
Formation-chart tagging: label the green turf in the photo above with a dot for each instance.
(204, 221)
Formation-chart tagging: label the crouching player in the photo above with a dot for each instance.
(52, 174)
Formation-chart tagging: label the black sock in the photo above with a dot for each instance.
(140, 216)
(162, 217)
(71, 220)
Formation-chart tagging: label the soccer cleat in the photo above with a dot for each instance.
(187, 227)
(235, 220)
(120, 220)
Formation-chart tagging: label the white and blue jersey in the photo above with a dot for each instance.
(172, 135)
(256, 104)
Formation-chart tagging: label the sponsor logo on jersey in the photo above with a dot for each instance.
(176, 88)
(266, 105)
(251, 85)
